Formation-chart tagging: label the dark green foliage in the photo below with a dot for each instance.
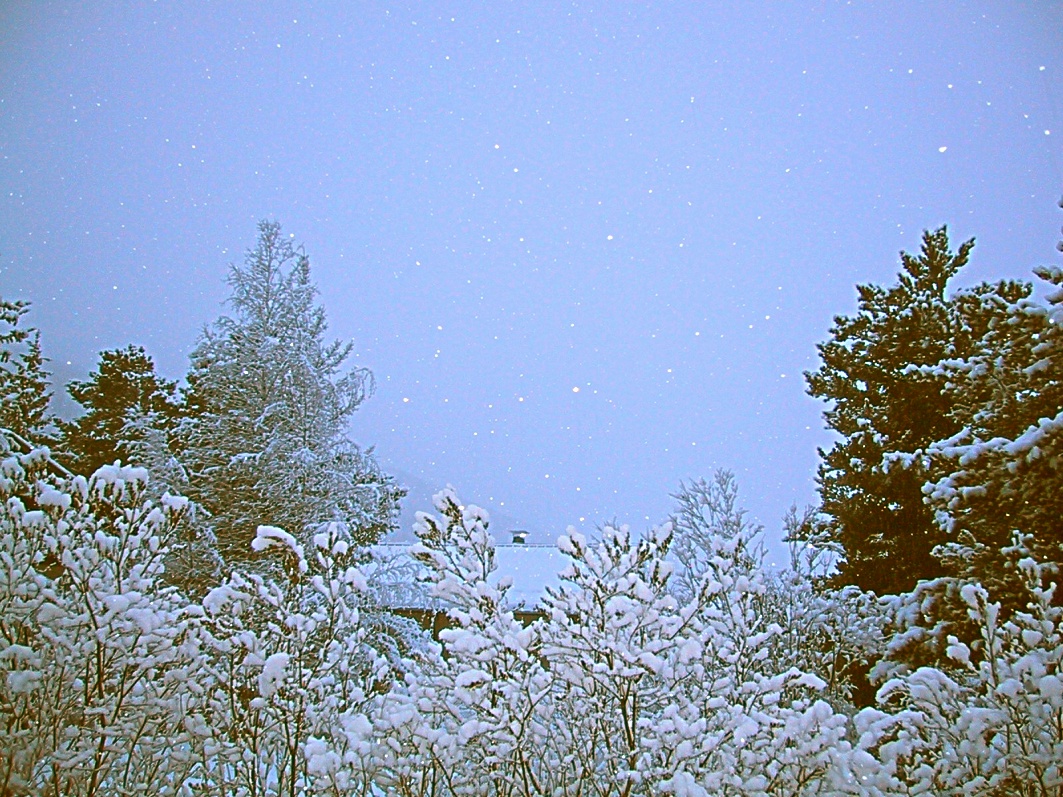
(890, 400)
(24, 393)
(999, 490)
(122, 398)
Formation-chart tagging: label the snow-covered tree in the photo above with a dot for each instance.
(113, 682)
(705, 511)
(95, 696)
(835, 634)
(24, 385)
(986, 721)
(269, 404)
(882, 373)
(476, 721)
(289, 673)
(999, 474)
(131, 415)
(619, 690)
(1003, 472)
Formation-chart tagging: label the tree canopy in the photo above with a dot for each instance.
(121, 398)
(890, 398)
(24, 385)
(269, 402)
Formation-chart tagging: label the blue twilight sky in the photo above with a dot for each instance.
(587, 248)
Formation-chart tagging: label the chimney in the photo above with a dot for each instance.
(520, 536)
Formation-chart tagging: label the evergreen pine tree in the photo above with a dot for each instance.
(1002, 475)
(269, 403)
(890, 399)
(121, 398)
(24, 385)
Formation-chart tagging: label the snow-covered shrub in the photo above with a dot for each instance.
(474, 721)
(610, 629)
(749, 722)
(835, 634)
(114, 683)
(94, 696)
(991, 723)
(288, 674)
(619, 689)
(706, 511)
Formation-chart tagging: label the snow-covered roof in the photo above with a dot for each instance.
(401, 582)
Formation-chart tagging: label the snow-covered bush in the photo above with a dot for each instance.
(619, 689)
(474, 722)
(114, 682)
(706, 511)
(93, 698)
(288, 674)
(835, 634)
(989, 724)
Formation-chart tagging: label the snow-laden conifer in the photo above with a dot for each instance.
(268, 405)
(24, 381)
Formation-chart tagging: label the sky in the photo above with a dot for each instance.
(587, 249)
